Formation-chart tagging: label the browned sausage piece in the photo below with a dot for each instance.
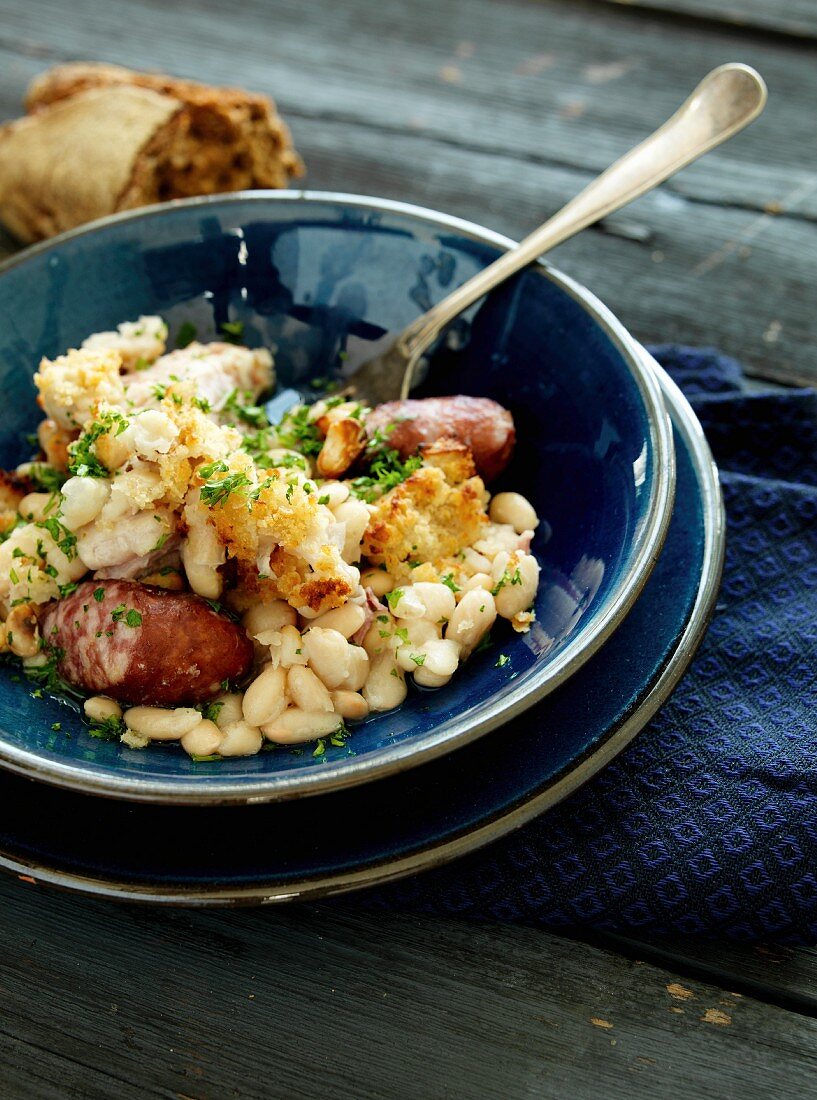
(141, 644)
(483, 425)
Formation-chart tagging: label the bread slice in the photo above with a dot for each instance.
(100, 138)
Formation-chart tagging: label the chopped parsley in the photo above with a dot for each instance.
(65, 540)
(46, 478)
(83, 461)
(386, 470)
(108, 729)
(502, 660)
(448, 581)
(507, 578)
(418, 658)
(202, 403)
(245, 410)
(394, 597)
(99, 594)
(297, 432)
(210, 711)
(130, 617)
(214, 491)
(232, 331)
(187, 334)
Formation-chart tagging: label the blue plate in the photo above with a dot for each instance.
(421, 818)
(313, 276)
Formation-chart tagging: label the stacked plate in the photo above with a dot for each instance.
(608, 451)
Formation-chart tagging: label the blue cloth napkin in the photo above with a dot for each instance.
(707, 823)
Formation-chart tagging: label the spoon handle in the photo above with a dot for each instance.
(725, 101)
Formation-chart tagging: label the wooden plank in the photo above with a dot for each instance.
(383, 122)
(796, 17)
(777, 974)
(317, 1001)
(672, 269)
(571, 84)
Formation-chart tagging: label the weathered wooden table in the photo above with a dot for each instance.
(496, 112)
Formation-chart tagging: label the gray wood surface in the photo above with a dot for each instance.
(326, 1001)
(784, 17)
(496, 112)
(500, 112)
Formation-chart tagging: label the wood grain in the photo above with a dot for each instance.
(497, 113)
(326, 1001)
(501, 113)
(795, 17)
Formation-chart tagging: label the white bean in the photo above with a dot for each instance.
(378, 580)
(515, 509)
(203, 740)
(479, 580)
(473, 618)
(500, 566)
(349, 704)
(307, 691)
(355, 515)
(337, 491)
(355, 678)
(296, 725)
(36, 506)
(262, 617)
(418, 632)
(230, 709)
(406, 604)
(160, 724)
(380, 636)
(202, 551)
(385, 686)
(82, 500)
(329, 655)
(441, 657)
(240, 739)
(291, 651)
(426, 678)
(472, 562)
(347, 620)
(518, 594)
(265, 698)
(438, 600)
(100, 707)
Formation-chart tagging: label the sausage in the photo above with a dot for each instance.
(484, 426)
(142, 644)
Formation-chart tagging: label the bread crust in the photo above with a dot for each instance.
(101, 138)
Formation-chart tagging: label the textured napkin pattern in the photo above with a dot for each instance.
(707, 823)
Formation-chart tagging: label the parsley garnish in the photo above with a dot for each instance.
(83, 461)
(386, 471)
(187, 334)
(418, 658)
(232, 331)
(46, 478)
(298, 433)
(210, 711)
(108, 729)
(448, 581)
(245, 410)
(502, 660)
(99, 594)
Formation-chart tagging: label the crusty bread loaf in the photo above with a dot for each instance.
(100, 138)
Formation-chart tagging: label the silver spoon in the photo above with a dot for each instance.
(725, 101)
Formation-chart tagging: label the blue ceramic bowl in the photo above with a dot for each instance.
(309, 275)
